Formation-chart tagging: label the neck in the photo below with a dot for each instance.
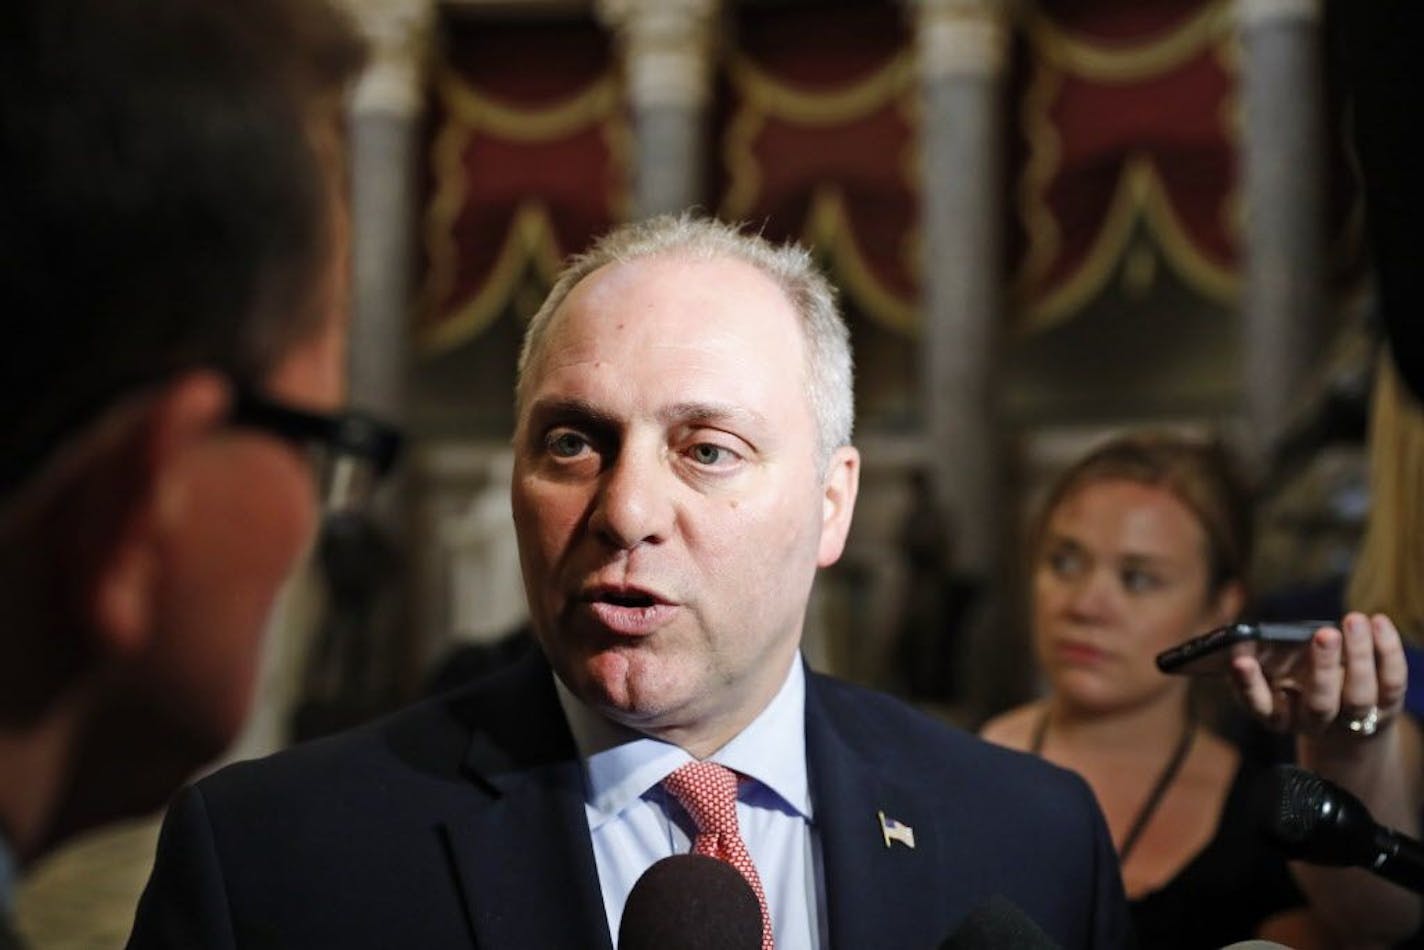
(702, 735)
(1126, 732)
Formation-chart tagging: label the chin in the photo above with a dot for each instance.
(634, 690)
(1088, 692)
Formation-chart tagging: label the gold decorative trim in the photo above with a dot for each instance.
(855, 100)
(531, 239)
(764, 96)
(1231, 216)
(828, 228)
(1043, 237)
(446, 157)
(743, 172)
(1218, 282)
(519, 123)
(1140, 197)
(1106, 62)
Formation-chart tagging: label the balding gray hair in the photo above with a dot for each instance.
(828, 358)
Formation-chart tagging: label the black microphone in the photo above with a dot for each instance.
(690, 902)
(1317, 821)
(998, 924)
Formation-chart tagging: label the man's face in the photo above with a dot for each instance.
(667, 496)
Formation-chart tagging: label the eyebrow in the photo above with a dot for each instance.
(572, 407)
(703, 413)
(712, 413)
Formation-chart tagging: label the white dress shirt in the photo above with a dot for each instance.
(633, 822)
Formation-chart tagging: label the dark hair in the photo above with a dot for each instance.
(1200, 473)
(163, 204)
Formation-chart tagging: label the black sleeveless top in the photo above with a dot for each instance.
(1224, 893)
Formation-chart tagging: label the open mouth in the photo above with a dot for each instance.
(622, 596)
(628, 610)
(626, 598)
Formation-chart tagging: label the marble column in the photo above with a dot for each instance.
(378, 662)
(385, 111)
(1282, 152)
(666, 47)
(962, 46)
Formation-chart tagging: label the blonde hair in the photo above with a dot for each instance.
(1389, 572)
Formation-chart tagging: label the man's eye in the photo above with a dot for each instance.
(566, 445)
(707, 453)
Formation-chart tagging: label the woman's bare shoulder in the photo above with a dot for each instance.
(1014, 728)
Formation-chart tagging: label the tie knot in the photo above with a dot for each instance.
(708, 792)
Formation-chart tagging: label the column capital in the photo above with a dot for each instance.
(399, 35)
(1251, 13)
(961, 37)
(667, 48)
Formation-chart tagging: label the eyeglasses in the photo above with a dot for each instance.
(351, 451)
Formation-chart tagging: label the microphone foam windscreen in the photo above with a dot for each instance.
(1291, 804)
(998, 924)
(1313, 820)
(690, 902)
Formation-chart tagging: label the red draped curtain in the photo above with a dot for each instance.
(527, 160)
(1124, 126)
(817, 140)
(1130, 125)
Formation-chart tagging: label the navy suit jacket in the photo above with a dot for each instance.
(460, 823)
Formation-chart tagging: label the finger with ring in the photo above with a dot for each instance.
(1366, 724)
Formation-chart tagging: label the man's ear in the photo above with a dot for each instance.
(838, 503)
(137, 491)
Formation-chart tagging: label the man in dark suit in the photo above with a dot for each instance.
(682, 469)
(173, 247)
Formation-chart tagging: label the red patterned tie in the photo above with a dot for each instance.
(709, 793)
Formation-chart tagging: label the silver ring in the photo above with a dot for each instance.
(1365, 725)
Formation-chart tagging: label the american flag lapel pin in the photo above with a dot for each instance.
(893, 830)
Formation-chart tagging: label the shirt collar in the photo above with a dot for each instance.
(621, 764)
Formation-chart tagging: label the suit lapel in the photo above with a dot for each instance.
(874, 891)
(522, 852)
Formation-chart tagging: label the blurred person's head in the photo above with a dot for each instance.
(682, 469)
(173, 227)
(1141, 544)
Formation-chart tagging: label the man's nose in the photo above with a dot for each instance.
(634, 501)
